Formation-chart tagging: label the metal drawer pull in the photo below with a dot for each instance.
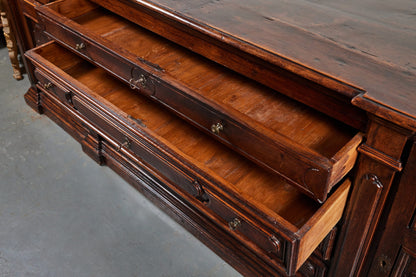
(80, 46)
(47, 85)
(125, 144)
(216, 128)
(234, 224)
(139, 83)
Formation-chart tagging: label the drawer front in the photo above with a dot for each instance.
(28, 8)
(267, 234)
(313, 267)
(272, 244)
(311, 172)
(53, 87)
(256, 238)
(324, 250)
(149, 154)
(310, 177)
(136, 76)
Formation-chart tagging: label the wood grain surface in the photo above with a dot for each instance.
(352, 48)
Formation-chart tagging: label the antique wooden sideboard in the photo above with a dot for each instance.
(280, 134)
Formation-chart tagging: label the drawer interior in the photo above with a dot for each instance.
(279, 202)
(250, 180)
(280, 114)
(324, 149)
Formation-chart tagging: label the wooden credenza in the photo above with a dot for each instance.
(285, 150)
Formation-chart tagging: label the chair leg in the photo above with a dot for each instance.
(11, 46)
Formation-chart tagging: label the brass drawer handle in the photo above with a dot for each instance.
(234, 224)
(125, 144)
(80, 46)
(139, 83)
(216, 128)
(47, 85)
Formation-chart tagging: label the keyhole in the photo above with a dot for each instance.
(383, 263)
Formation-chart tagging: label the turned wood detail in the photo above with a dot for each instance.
(11, 44)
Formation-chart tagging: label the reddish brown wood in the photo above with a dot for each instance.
(349, 69)
(227, 62)
(150, 184)
(373, 181)
(293, 141)
(277, 222)
(28, 9)
(399, 236)
(261, 66)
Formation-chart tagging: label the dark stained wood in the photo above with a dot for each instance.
(276, 219)
(230, 52)
(28, 9)
(399, 236)
(246, 64)
(341, 65)
(322, 149)
(373, 182)
(177, 204)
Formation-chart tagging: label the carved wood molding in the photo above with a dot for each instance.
(379, 163)
(380, 157)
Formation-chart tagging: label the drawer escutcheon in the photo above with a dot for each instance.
(80, 46)
(125, 144)
(216, 128)
(139, 83)
(47, 85)
(234, 224)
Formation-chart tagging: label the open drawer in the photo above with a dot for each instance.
(260, 209)
(312, 151)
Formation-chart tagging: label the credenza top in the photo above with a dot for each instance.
(366, 46)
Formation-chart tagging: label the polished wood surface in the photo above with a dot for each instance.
(284, 54)
(276, 112)
(236, 55)
(324, 150)
(399, 237)
(381, 77)
(292, 214)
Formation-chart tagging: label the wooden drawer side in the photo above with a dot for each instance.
(314, 154)
(260, 209)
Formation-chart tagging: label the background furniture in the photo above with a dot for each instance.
(10, 43)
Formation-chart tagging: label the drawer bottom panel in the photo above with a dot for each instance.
(165, 195)
(156, 189)
(258, 209)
